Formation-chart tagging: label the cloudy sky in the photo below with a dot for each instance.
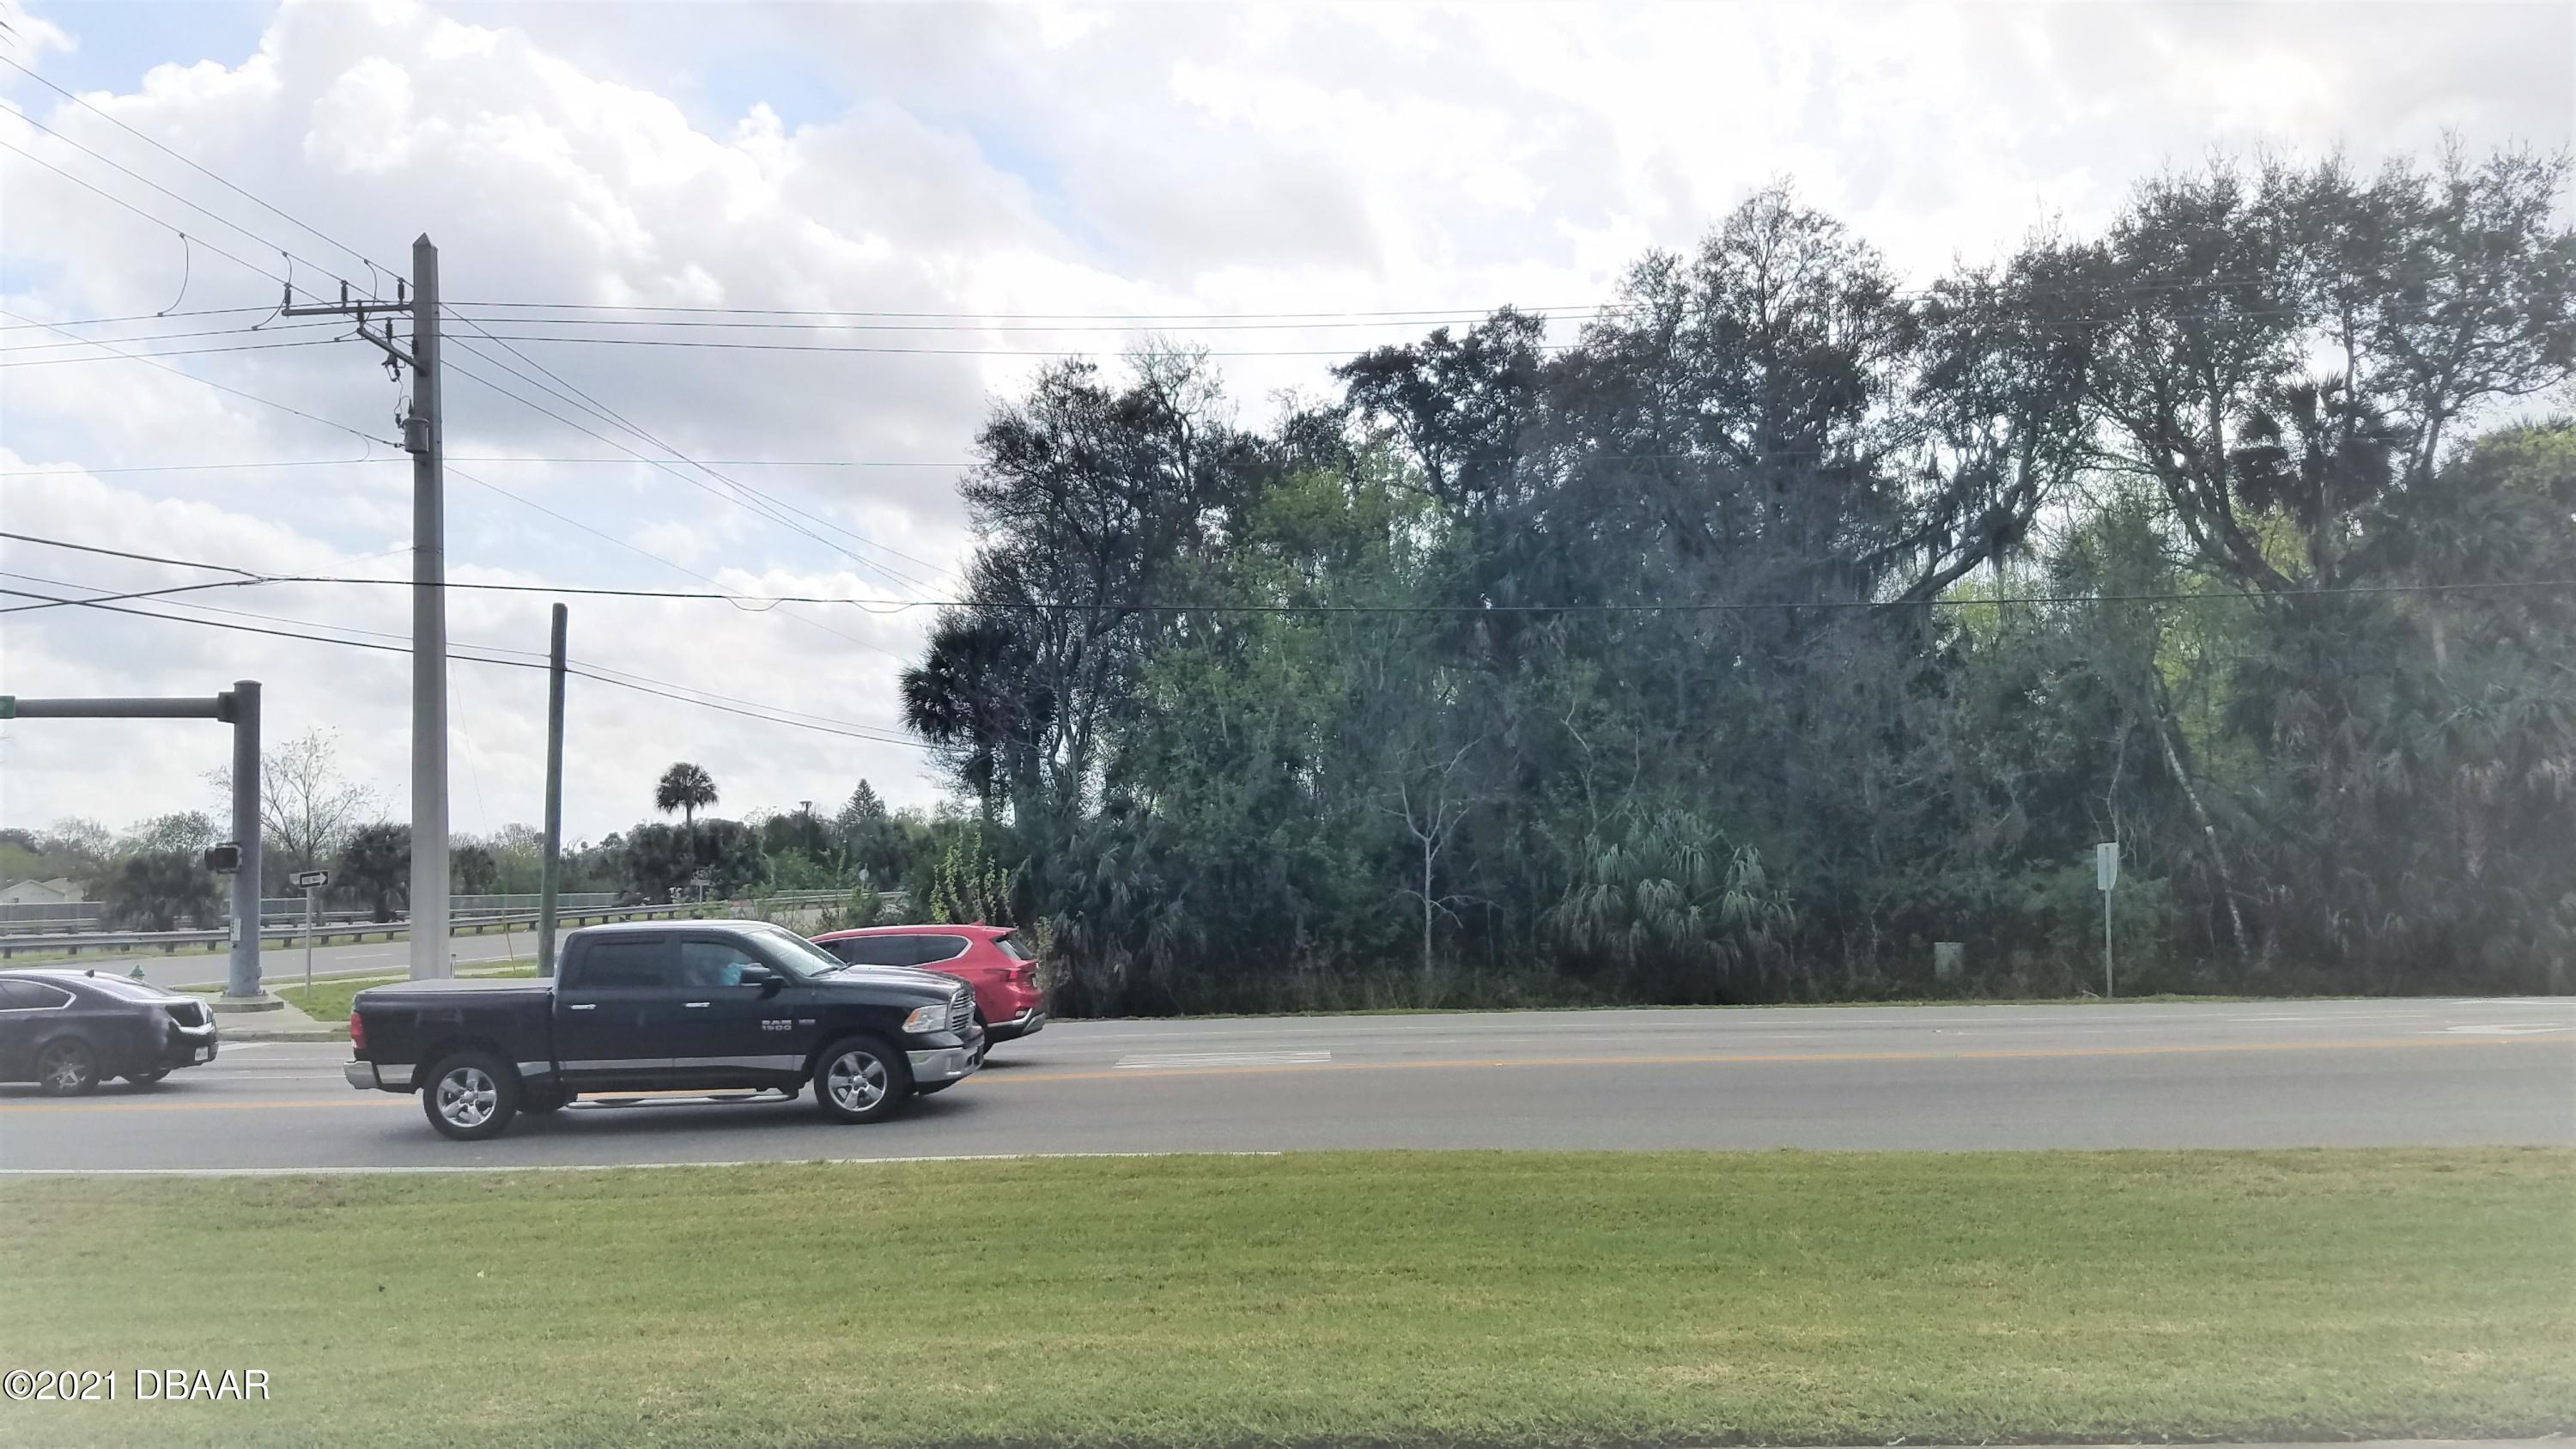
(964, 190)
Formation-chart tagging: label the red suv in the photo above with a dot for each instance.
(988, 958)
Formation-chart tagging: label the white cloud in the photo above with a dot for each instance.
(1059, 159)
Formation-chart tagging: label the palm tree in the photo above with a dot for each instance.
(684, 787)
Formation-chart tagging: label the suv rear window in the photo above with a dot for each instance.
(897, 950)
(1010, 946)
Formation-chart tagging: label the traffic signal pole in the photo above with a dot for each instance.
(239, 708)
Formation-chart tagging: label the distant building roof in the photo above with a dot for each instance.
(53, 892)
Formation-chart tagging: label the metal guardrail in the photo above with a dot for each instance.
(327, 933)
(65, 916)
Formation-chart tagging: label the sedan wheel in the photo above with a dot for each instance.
(860, 1079)
(67, 1068)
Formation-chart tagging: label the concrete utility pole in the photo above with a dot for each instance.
(240, 709)
(549, 868)
(424, 438)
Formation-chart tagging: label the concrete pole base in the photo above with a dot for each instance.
(261, 1002)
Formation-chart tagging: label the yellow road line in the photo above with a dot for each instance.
(1735, 1059)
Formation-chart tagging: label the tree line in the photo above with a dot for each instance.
(153, 876)
(1791, 620)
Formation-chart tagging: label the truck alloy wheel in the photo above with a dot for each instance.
(471, 1096)
(859, 1079)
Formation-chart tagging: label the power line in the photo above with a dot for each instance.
(1339, 316)
(149, 317)
(150, 558)
(628, 462)
(666, 467)
(173, 352)
(911, 351)
(1161, 607)
(1429, 313)
(139, 211)
(157, 338)
(845, 728)
(182, 159)
(215, 217)
(139, 594)
(965, 326)
(659, 559)
(620, 420)
(217, 386)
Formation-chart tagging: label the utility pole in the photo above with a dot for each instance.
(425, 439)
(549, 868)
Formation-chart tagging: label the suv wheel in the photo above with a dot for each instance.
(67, 1068)
(471, 1096)
(861, 1079)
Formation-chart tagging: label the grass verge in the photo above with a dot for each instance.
(328, 1001)
(1375, 1298)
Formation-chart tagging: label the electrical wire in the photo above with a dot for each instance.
(217, 386)
(172, 352)
(664, 466)
(614, 418)
(181, 158)
(1342, 352)
(844, 728)
(1161, 607)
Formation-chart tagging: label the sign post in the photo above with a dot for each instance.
(2106, 874)
(313, 881)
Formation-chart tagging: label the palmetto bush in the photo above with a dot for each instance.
(1671, 905)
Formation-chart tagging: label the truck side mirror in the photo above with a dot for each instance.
(761, 976)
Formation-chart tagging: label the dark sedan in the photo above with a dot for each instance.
(68, 1031)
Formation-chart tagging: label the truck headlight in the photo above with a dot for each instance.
(927, 1019)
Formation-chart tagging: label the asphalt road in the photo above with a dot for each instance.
(2339, 1073)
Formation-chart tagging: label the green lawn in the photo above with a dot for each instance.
(1329, 1298)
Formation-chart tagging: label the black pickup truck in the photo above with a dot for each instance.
(663, 1005)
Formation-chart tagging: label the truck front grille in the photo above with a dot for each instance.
(961, 1012)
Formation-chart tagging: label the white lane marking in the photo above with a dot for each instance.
(2519, 1028)
(587, 1166)
(1153, 1060)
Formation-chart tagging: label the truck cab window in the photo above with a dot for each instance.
(621, 966)
(714, 963)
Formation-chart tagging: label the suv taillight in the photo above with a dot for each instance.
(357, 1033)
